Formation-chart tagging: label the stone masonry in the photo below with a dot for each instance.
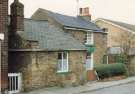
(39, 69)
(100, 43)
(100, 39)
(113, 32)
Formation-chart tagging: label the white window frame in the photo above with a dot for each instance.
(63, 61)
(89, 38)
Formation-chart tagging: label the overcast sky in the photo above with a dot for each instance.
(120, 10)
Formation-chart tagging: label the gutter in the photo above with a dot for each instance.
(81, 29)
(36, 50)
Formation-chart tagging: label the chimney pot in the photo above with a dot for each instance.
(84, 12)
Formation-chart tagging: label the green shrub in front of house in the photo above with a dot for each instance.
(118, 58)
(110, 70)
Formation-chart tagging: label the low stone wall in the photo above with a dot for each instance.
(39, 69)
(132, 66)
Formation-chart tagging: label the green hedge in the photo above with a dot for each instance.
(109, 70)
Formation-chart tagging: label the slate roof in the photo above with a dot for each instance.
(49, 37)
(69, 21)
(122, 24)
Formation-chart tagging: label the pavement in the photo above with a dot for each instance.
(89, 87)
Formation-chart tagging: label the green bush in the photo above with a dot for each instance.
(109, 70)
(119, 59)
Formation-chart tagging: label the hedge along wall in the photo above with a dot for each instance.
(110, 70)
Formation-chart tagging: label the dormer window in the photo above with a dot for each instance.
(89, 38)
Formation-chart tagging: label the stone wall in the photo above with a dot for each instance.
(78, 34)
(116, 36)
(39, 69)
(100, 42)
(113, 33)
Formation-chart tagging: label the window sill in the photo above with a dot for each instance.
(89, 43)
(63, 72)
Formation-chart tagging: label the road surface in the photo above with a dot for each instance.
(122, 89)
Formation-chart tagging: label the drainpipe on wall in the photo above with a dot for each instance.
(1, 39)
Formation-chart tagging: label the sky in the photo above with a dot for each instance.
(119, 10)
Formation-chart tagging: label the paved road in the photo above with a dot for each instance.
(123, 89)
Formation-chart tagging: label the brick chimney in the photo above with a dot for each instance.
(17, 16)
(84, 12)
(4, 46)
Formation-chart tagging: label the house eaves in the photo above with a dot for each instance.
(45, 50)
(80, 29)
(73, 28)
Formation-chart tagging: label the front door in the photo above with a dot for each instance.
(89, 67)
(89, 62)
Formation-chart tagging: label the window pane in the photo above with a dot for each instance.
(88, 64)
(59, 55)
(64, 55)
(62, 62)
(65, 65)
(88, 61)
(89, 38)
(59, 65)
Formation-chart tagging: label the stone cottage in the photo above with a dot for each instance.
(4, 45)
(115, 29)
(46, 56)
(121, 37)
(52, 49)
(82, 29)
(43, 53)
